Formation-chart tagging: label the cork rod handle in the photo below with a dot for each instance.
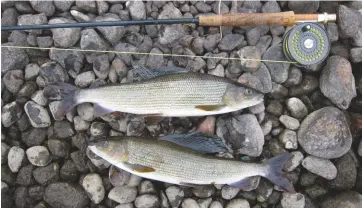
(246, 19)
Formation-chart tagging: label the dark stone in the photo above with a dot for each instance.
(65, 195)
(21, 197)
(63, 129)
(278, 71)
(34, 136)
(47, 174)
(303, 7)
(25, 177)
(80, 160)
(346, 173)
(58, 148)
(351, 199)
(36, 192)
(349, 21)
(69, 172)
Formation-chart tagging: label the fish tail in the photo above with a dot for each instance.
(70, 98)
(275, 173)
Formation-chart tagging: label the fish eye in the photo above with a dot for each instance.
(248, 91)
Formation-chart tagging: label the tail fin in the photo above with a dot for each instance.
(275, 173)
(69, 94)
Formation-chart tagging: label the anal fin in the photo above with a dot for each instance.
(209, 107)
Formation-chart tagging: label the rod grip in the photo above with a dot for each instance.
(247, 19)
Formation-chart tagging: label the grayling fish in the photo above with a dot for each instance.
(169, 162)
(173, 95)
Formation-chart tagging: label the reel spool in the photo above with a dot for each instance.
(306, 44)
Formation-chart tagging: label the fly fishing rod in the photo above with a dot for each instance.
(306, 44)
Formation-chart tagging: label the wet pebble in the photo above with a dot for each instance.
(321, 167)
(38, 155)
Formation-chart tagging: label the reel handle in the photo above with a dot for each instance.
(251, 19)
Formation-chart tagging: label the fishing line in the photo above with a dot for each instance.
(141, 53)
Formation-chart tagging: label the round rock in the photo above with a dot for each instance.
(249, 52)
(38, 155)
(325, 133)
(65, 37)
(229, 192)
(146, 187)
(346, 173)
(321, 167)
(15, 158)
(175, 196)
(10, 113)
(294, 162)
(337, 82)
(278, 71)
(203, 191)
(289, 200)
(238, 203)
(189, 203)
(65, 195)
(37, 115)
(13, 58)
(289, 122)
(13, 80)
(123, 194)
(297, 108)
(350, 199)
(93, 186)
(147, 201)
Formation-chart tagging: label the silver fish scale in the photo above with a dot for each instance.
(177, 162)
(175, 91)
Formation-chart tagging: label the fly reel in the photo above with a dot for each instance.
(306, 44)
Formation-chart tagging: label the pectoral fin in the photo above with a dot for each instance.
(209, 107)
(198, 141)
(140, 168)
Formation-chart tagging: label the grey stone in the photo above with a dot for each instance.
(263, 44)
(163, 200)
(38, 156)
(33, 19)
(84, 79)
(303, 7)
(346, 173)
(215, 204)
(349, 21)
(137, 10)
(289, 139)
(51, 72)
(337, 82)
(146, 187)
(294, 162)
(224, 9)
(289, 122)
(275, 108)
(325, 133)
(72, 61)
(321, 167)
(63, 129)
(18, 37)
(43, 7)
(350, 198)
(120, 67)
(249, 52)
(37, 115)
(332, 31)
(294, 78)
(204, 203)
(79, 16)
(10, 113)
(170, 34)
(15, 158)
(13, 80)
(39, 98)
(278, 71)
(26, 90)
(93, 186)
(102, 7)
(243, 133)
(58, 148)
(34, 136)
(218, 71)
(253, 35)
(211, 41)
(9, 17)
(359, 151)
(89, 6)
(101, 66)
(99, 129)
(203, 7)
(63, 6)
(290, 200)
(356, 55)
(271, 7)
(112, 34)
(256, 109)
(315, 191)
(147, 201)
(278, 91)
(196, 64)
(189, 203)
(238, 203)
(65, 195)
(85, 111)
(90, 40)
(65, 37)
(308, 85)
(13, 58)
(296, 107)
(44, 42)
(123, 194)
(21, 197)
(229, 192)
(80, 160)
(175, 195)
(197, 45)
(125, 47)
(340, 49)
(47, 174)
(4, 152)
(127, 205)
(266, 127)
(230, 42)
(80, 124)
(155, 62)
(69, 171)
(357, 39)
(203, 191)
(36, 192)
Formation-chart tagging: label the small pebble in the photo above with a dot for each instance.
(321, 167)
(294, 162)
(289, 200)
(189, 203)
(229, 192)
(15, 158)
(289, 122)
(297, 108)
(93, 186)
(38, 155)
(146, 187)
(123, 194)
(147, 201)
(238, 203)
(175, 196)
(37, 115)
